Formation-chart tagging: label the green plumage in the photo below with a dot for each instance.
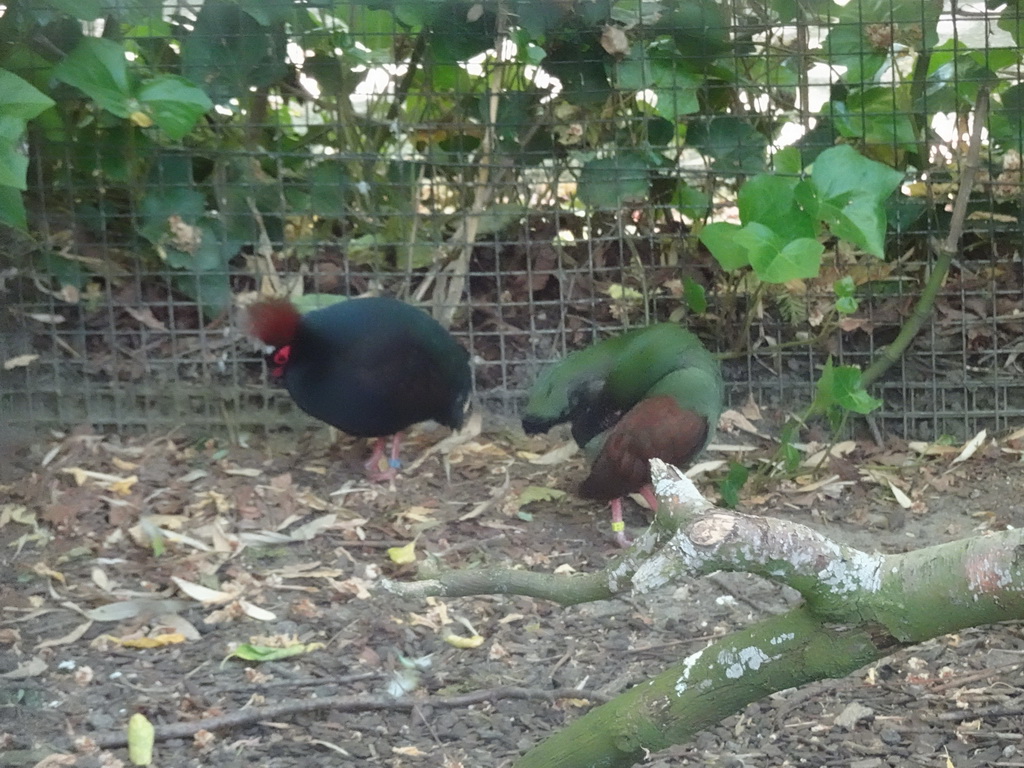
(592, 387)
(650, 393)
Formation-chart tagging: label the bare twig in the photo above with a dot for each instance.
(252, 715)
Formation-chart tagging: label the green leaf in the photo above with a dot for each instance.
(608, 182)
(253, 652)
(455, 37)
(12, 209)
(771, 200)
(174, 103)
(675, 88)
(99, 69)
(211, 290)
(1012, 20)
(141, 737)
(844, 286)
(846, 305)
(852, 191)
(374, 29)
(19, 98)
(84, 10)
(498, 217)
(846, 302)
(578, 61)
(330, 186)
(720, 239)
(691, 202)
(230, 53)
(729, 487)
(159, 205)
(797, 260)
(268, 12)
(695, 296)
(788, 161)
(791, 455)
(841, 386)
(13, 167)
(731, 142)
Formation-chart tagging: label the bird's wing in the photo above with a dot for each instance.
(657, 427)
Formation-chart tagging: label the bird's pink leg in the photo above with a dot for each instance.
(648, 493)
(618, 526)
(396, 442)
(372, 465)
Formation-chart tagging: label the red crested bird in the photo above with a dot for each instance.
(370, 367)
(653, 392)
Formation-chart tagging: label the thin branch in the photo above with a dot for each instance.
(944, 252)
(252, 715)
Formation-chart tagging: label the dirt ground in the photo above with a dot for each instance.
(107, 547)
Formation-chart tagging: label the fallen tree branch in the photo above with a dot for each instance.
(859, 607)
(252, 715)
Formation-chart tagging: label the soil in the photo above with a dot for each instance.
(101, 616)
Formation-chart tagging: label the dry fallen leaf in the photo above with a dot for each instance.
(972, 446)
(156, 641)
(19, 361)
(557, 455)
(614, 41)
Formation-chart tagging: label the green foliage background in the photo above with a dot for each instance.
(232, 140)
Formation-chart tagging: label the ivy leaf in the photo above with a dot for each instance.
(797, 260)
(19, 98)
(99, 69)
(720, 239)
(12, 209)
(841, 386)
(174, 103)
(852, 191)
(772, 201)
(608, 182)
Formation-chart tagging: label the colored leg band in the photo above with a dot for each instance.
(618, 526)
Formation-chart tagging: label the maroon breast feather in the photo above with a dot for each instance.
(654, 428)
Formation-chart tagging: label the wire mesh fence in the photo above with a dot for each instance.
(536, 174)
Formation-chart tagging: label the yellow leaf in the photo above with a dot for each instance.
(577, 702)
(141, 119)
(624, 293)
(403, 555)
(141, 736)
(409, 751)
(170, 638)
(44, 570)
(458, 641)
(123, 487)
(79, 474)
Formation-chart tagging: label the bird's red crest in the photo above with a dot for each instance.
(274, 322)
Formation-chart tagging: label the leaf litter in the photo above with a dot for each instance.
(284, 539)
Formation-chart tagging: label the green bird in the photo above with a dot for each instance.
(652, 392)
